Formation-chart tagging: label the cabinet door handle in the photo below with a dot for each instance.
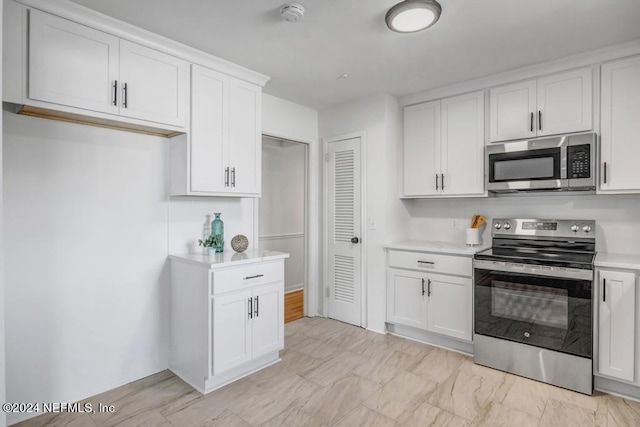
(539, 120)
(257, 306)
(254, 277)
(250, 304)
(429, 287)
(226, 177)
(115, 93)
(233, 177)
(442, 180)
(604, 290)
(124, 96)
(423, 286)
(426, 262)
(605, 172)
(531, 127)
(436, 181)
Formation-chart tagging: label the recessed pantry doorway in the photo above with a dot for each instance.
(282, 214)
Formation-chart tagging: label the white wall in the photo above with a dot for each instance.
(379, 117)
(282, 206)
(87, 229)
(284, 119)
(617, 219)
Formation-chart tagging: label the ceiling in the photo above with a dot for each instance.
(474, 38)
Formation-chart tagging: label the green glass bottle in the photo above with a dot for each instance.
(217, 231)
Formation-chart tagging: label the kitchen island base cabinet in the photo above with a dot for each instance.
(221, 332)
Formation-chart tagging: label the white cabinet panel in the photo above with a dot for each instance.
(406, 298)
(512, 111)
(450, 306)
(71, 64)
(462, 145)
(245, 140)
(421, 149)
(564, 103)
(209, 129)
(268, 319)
(620, 126)
(154, 85)
(231, 331)
(560, 103)
(616, 324)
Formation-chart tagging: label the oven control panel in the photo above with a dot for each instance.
(560, 228)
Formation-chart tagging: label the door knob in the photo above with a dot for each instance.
(355, 240)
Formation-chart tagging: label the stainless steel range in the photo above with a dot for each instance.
(533, 301)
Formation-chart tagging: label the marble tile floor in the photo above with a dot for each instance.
(334, 374)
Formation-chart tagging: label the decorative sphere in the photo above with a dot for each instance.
(239, 243)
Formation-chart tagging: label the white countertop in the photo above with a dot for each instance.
(627, 261)
(438, 247)
(229, 258)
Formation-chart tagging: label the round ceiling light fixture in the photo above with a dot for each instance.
(292, 12)
(410, 16)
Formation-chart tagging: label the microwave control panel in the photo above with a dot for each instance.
(579, 161)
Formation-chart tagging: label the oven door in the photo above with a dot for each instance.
(519, 166)
(548, 311)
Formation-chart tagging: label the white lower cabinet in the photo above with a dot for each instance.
(427, 300)
(226, 321)
(616, 304)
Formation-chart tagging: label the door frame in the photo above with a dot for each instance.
(310, 298)
(363, 215)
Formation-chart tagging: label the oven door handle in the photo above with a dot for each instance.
(534, 270)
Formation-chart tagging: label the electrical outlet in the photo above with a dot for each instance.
(454, 224)
(372, 224)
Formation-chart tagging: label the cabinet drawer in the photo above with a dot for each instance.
(237, 278)
(437, 263)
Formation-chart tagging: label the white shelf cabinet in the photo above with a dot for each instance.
(616, 324)
(620, 127)
(420, 296)
(227, 320)
(443, 148)
(552, 105)
(222, 154)
(80, 71)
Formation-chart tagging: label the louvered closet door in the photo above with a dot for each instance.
(343, 226)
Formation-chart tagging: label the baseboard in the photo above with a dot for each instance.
(293, 305)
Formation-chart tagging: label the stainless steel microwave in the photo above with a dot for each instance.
(563, 163)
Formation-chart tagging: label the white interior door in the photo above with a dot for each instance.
(344, 251)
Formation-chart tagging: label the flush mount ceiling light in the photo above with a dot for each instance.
(410, 16)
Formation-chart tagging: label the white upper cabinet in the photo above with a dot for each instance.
(444, 147)
(620, 127)
(222, 154)
(511, 113)
(85, 75)
(421, 149)
(616, 324)
(71, 64)
(153, 85)
(560, 103)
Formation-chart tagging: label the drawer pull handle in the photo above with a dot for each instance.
(426, 262)
(254, 277)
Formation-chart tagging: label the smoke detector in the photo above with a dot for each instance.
(292, 12)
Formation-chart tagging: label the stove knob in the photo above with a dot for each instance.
(575, 228)
(497, 226)
(506, 225)
(586, 228)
